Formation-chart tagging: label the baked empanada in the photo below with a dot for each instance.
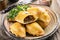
(35, 29)
(43, 15)
(18, 29)
(25, 17)
(43, 24)
(33, 10)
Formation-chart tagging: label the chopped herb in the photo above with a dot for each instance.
(13, 13)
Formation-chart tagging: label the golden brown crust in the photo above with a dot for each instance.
(18, 30)
(22, 15)
(35, 29)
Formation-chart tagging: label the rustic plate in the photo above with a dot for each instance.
(52, 27)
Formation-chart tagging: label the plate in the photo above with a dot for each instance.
(52, 27)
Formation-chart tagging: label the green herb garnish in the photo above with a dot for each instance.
(13, 13)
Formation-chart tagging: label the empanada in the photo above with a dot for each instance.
(43, 24)
(35, 29)
(43, 15)
(33, 9)
(18, 30)
(25, 17)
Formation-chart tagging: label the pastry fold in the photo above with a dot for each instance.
(25, 17)
(43, 24)
(44, 17)
(33, 10)
(35, 29)
(18, 30)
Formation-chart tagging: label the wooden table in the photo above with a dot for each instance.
(55, 36)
